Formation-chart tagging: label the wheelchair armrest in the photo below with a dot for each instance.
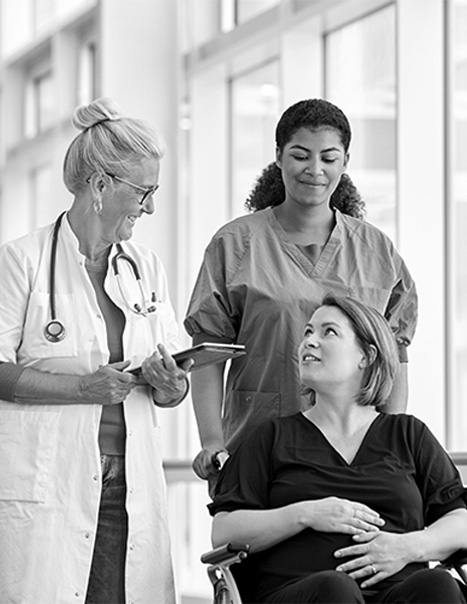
(458, 558)
(226, 554)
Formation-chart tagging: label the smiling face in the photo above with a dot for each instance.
(312, 163)
(121, 202)
(330, 354)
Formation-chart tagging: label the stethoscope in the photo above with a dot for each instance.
(55, 331)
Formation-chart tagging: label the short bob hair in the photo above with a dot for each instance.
(373, 335)
(108, 143)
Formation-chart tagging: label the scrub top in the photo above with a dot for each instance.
(400, 471)
(258, 288)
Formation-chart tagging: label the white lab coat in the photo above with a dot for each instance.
(50, 472)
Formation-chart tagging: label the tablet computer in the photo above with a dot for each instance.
(204, 354)
(209, 353)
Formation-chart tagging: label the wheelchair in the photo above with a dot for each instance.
(234, 585)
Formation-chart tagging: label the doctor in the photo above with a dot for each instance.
(82, 493)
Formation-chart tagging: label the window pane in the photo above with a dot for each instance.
(361, 79)
(43, 14)
(458, 229)
(87, 74)
(39, 104)
(255, 111)
(247, 9)
(41, 183)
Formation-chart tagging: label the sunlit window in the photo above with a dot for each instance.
(39, 104)
(235, 12)
(255, 109)
(457, 226)
(40, 183)
(247, 9)
(87, 73)
(361, 79)
(43, 12)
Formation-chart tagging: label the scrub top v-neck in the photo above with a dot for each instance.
(257, 288)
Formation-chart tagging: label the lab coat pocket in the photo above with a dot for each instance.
(27, 445)
(35, 344)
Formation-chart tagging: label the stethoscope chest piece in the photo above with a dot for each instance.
(54, 331)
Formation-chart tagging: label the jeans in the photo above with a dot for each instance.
(107, 577)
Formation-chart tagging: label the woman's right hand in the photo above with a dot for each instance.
(109, 385)
(335, 515)
(203, 464)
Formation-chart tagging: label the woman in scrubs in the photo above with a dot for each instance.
(264, 274)
(82, 492)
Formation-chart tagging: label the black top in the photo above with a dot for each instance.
(400, 471)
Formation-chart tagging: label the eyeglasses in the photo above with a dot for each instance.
(147, 193)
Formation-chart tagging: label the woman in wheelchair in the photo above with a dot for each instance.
(343, 502)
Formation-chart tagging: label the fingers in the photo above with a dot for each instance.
(109, 385)
(366, 520)
(163, 374)
(203, 464)
(120, 366)
(368, 573)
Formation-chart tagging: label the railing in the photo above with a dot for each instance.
(190, 527)
(460, 459)
(179, 471)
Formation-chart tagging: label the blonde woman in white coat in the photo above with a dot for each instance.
(82, 493)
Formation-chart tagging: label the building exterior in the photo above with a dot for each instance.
(213, 76)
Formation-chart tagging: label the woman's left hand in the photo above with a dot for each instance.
(168, 380)
(378, 556)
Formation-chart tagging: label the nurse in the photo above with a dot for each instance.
(82, 493)
(264, 274)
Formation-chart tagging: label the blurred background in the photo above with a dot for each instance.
(214, 76)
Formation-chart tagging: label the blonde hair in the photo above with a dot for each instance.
(108, 142)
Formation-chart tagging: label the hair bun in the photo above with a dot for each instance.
(100, 110)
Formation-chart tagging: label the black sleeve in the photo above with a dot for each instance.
(245, 478)
(437, 476)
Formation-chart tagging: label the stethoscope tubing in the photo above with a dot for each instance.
(53, 262)
(55, 331)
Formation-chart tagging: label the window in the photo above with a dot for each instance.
(87, 73)
(43, 13)
(39, 103)
(360, 75)
(41, 184)
(457, 226)
(234, 12)
(247, 9)
(255, 111)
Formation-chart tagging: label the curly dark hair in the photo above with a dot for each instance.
(269, 190)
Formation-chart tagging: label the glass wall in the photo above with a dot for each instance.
(254, 114)
(247, 9)
(457, 225)
(40, 105)
(360, 77)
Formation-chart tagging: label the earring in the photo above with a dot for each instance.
(97, 207)
(362, 365)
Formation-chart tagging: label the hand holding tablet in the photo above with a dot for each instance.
(204, 354)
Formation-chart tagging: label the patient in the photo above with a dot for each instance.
(344, 503)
